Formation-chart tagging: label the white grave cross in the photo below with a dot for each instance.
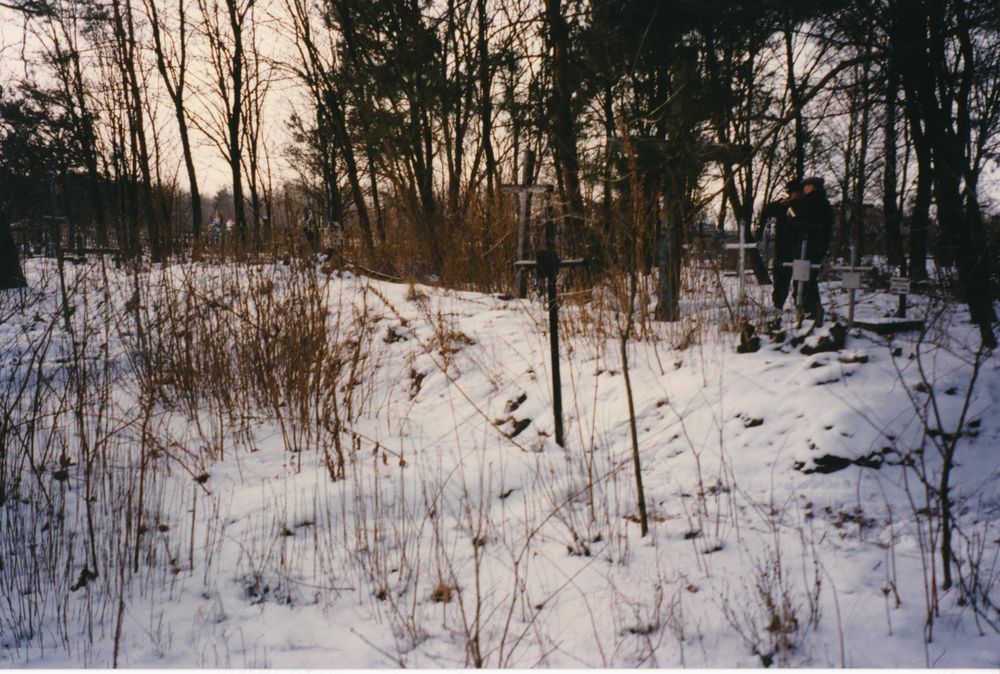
(801, 271)
(851, 280)
(742, 247)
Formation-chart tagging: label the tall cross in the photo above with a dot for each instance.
(547, 265)
(742, 247)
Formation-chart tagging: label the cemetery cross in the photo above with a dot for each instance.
(547, 265)
(524, 192)
(851, 280)
(742, 247)
(801, 271)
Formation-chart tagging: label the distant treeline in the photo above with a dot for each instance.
(401, 119)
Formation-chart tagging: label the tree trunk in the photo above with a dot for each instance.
(175, 90)
(861, 170)
(563, 131)
(890, 205)
(234, 119)
(334, 105)
(125, 32)
(795, 98)
(920, 219)
(486, 98)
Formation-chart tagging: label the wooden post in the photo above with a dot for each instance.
(668, 247)
(900, 285)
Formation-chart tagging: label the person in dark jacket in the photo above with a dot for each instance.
(786, 242)
(812, 221)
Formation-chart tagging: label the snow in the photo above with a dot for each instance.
(449, 538)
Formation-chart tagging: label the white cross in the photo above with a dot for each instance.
(851, 279)
(742, 246)
(801, 271)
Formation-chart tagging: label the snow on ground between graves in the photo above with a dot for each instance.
(787, 525)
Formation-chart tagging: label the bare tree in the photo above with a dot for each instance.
(561, 110)
(59, 35)
(934, 50)
(171, 50)
(128, 61)
(223, 28)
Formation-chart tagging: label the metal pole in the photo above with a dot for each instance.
(901, 311)
(554, 347)
(850, 294)
(547, 265)
(800, 296)
(523, 216)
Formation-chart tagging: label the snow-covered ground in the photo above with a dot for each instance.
(789, 523)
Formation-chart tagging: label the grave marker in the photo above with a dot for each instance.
(547, 265)
(851, 280)
(742, 248)
(899, 285)
(801, 271)
(524, 192)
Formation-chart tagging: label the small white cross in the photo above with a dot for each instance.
(801, 271)
(742, 247)
(851, 279)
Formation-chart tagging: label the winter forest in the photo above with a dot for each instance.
(499, 333)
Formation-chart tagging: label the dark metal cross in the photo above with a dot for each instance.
(547, 265)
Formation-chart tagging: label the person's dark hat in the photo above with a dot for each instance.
(793, 185)
(815, 182)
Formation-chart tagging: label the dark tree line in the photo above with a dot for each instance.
(407, 116)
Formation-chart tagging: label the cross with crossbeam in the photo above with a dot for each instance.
(742, 247)
(801, 271)
(524, 192)
(850, 278)
(547, 265)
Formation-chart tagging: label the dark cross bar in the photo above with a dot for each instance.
(547, 265)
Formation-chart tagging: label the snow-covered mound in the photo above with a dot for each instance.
(239, 466)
